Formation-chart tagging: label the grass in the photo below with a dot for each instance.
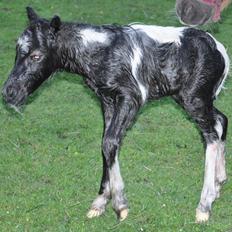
(50, 162)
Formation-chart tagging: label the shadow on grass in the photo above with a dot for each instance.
(79, 81)
(169, 102)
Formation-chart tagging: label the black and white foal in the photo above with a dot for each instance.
(126, 67)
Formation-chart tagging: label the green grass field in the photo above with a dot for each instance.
(50, 157)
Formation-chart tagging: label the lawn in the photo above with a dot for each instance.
(50, 156)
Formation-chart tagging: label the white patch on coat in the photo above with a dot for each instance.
(222, 50)
(161, 34)
(24, 43)
(92, 36)
(135, 62)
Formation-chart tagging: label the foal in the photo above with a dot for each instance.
(126, 66)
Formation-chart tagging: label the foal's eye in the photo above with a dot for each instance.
(35, 57)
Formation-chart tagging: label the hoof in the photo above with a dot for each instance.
(123, 214)
(201, 217)
(94, 213)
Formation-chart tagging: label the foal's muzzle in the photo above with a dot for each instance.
(13, 95)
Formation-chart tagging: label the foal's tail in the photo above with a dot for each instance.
(222, 50)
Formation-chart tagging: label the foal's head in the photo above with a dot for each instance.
(35, 58)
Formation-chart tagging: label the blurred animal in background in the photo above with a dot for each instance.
(200, 12)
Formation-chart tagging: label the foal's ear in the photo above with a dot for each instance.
(32, 16)
(55, 22)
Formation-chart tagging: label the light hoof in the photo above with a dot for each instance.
(94, 213)
(123, 214)
(201, 217)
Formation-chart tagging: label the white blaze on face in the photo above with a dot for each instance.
(24, 43)
(161, 34)
(92, 36)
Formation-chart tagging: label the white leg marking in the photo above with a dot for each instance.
(135, 62)
(209, 193)
(220, 165)
(117, 186)
(116, 182)
(220, 168)
(99, 204)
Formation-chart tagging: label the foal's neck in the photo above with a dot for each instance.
(81, 48)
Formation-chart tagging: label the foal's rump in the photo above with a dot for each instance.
(205, 62)
(179, 59)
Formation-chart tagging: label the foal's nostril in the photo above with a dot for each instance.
(9, 92)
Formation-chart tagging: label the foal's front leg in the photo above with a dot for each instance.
(99, 204)
(124, 113)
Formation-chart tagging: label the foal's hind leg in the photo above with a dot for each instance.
(221, 128)
(213, 131)
(215, 172)
(213, 125)
(209, 191)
